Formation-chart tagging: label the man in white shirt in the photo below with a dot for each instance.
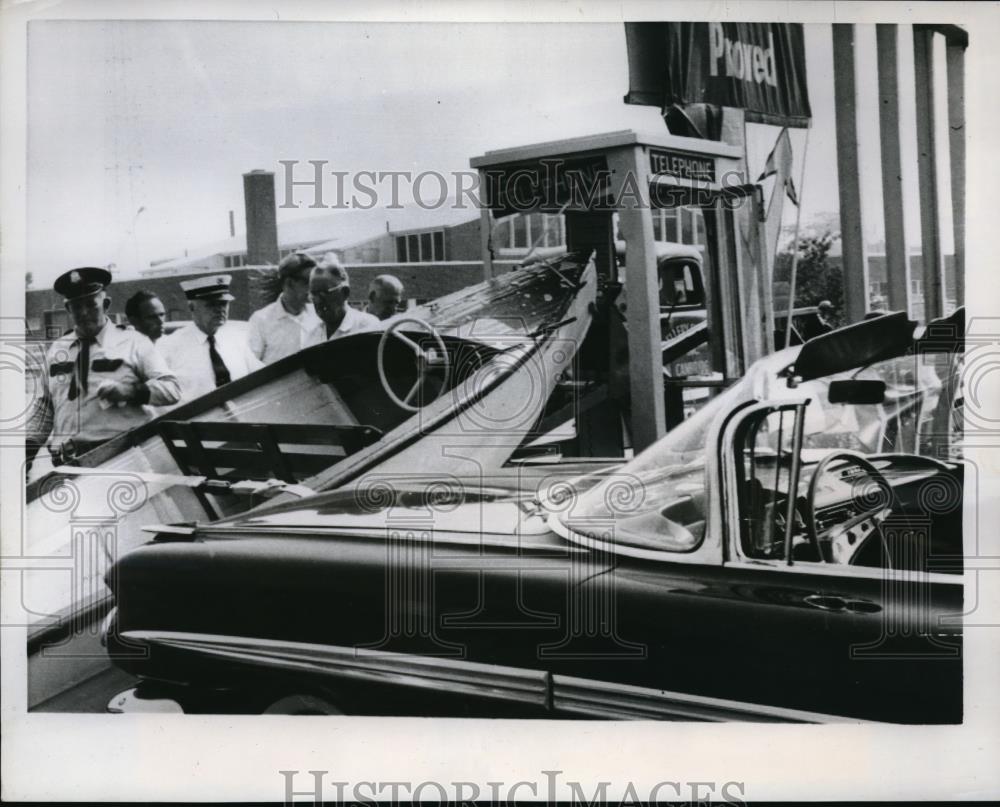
(330, 289)
(284, 326)
(207, 354)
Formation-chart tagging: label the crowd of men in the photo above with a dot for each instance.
(101, 379)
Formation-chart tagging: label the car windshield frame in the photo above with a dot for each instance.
(672, 475)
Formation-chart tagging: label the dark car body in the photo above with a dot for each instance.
(768, 559)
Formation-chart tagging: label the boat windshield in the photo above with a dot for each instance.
(659, 499)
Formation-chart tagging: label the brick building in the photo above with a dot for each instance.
(433, 251)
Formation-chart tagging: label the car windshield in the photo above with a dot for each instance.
(659, 499)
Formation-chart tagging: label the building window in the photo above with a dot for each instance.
(551, 225)
(665, 224)
(502, 234)
(536, 227)
(687, 226)
(56, 322)
(418, 247)
(522, 236)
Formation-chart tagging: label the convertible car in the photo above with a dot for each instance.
(791, 552)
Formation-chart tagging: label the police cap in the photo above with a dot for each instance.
(213, 287)
(82, 282)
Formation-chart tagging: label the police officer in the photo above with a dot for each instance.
(98, 377)
(208, 353)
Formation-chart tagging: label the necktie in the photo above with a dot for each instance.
(81, 370)
(218, 365)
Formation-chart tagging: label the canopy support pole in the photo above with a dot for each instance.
(795, 241)
(642, 295)
(892, 172)
(851, 232)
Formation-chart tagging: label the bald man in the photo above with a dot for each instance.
(384, 295)
(330, 289)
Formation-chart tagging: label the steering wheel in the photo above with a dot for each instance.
(842, 541)
(427, 361)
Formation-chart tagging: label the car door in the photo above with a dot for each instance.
(865, 641)
(818, 638)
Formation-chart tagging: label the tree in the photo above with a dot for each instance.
(29, 280)
(816, 278)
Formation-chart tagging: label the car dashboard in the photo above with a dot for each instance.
(925, 509)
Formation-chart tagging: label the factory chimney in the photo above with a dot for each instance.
(262, 225)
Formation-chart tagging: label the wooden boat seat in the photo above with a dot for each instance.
(290, 452)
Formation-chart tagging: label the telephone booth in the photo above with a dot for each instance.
(682, 319)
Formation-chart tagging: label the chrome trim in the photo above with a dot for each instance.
(459, 676)
(553, 693)
(622, 702)
(126, 703)
(106, 625)
(168, 529)
(474, 538)
(729, 486)
(581, 542)
(815, 568)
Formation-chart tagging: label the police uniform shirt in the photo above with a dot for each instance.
(186, 352)
(354, 321)
(117, 354)
(275, 333)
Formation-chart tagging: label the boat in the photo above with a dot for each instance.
(459, 380)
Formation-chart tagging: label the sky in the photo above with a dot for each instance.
(139, 131)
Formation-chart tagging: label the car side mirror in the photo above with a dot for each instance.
(854, 391)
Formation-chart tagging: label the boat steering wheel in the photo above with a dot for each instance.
(842, 539)
(428, 361)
